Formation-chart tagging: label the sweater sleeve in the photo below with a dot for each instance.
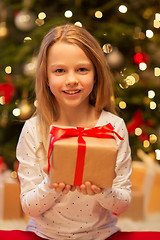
(36, 196)
(117, 199)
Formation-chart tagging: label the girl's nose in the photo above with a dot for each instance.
(71, 80)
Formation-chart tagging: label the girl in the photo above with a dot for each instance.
(73, 88)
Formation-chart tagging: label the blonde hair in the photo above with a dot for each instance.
(102, 94)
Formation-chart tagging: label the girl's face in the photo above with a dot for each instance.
(70, 75)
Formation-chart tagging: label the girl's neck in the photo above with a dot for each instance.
(71, 117)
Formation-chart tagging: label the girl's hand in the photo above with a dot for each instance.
(88, 189)
(62, 187)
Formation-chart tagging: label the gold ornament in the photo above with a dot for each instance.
(3, 30)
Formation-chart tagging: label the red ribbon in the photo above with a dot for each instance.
(61, 133)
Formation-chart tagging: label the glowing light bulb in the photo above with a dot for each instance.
(39, 22)
(2, 100)
(156, 24)
(79, 24)
(68, 14)
(8, 69)
(156, 71)
(16, 112)
(157, 151)
(107, 48)
(151, 94)
(42, 15)
(26, 39)
(98, 14)
(122, 9)
(130, 80)
(153, 105)
(142, 66)
(146, 144)
(149, 33)
(14, 174)
(122, 105)
(157, 16)
(138, 131)
(152, 138)
(36, 103)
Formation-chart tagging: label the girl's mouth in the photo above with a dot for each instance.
(71, 92)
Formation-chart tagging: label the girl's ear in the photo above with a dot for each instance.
(47, 82)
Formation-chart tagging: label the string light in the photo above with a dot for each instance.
(3, 30)
(107, 48)
(98, 14)
(138, 131)
(149, 33)
(122, 105)
(152, 138)
(14, 174)
(146, 144)
(42, 15)
(39, 22)
(156, 22)
(157, 16)
(130, 80)
(16, 112)
(36, 103)
(157, 151)
(8, 69)
(156, 71)
(68, 14)
(153, 105)
(122, 9)
(151, 94)
(79, 24)
(123, 85)
(142, 66)
(2, 100)
(26, 39)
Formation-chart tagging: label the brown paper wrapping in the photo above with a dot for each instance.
(12, 207)
(100, 160)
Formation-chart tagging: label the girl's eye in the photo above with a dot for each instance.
(82, 69)
(59, 70)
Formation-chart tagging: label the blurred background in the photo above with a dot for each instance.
(129, 34)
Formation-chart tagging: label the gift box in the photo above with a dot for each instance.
(145, 181)
(10, 207)
(136, 209)
(77, 155)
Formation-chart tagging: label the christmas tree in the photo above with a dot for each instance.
(129, 36)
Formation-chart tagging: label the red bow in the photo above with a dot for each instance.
(61, 133)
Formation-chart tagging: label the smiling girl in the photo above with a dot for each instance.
(73, 88)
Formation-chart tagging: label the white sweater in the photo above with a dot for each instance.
(74, 215)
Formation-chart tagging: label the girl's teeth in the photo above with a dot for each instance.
(72, 92)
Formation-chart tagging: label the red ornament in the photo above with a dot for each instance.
(140, 57)
(7, 90)
(138, 121)
(2, 165)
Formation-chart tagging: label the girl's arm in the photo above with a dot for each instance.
(36, 195)
(117, 199)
